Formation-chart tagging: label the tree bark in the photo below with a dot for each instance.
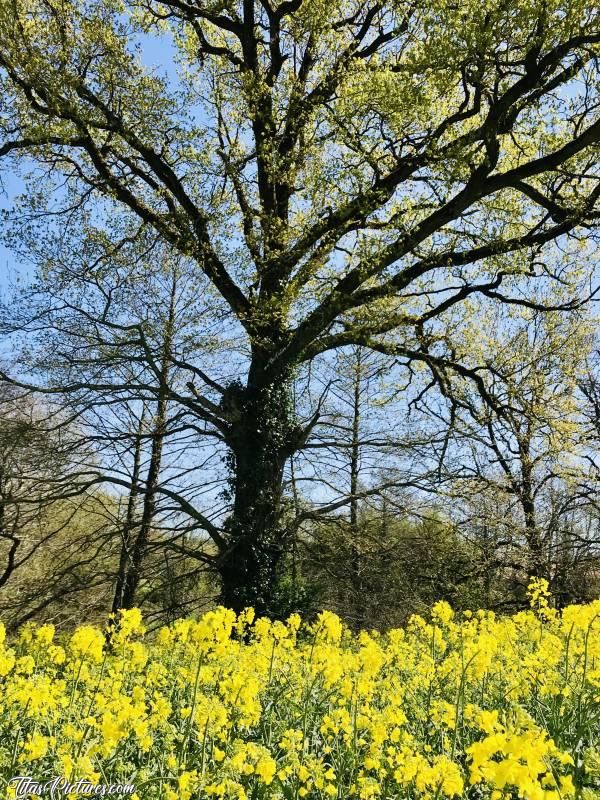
(128, 528)
(137, 551)
(134, 568)
(356, 565)
(262, 435)
(537, 563)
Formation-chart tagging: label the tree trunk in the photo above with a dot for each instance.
(537, 564)
(356, 566)
(134, 567)
(137, 548)
(128, 528)
(262, 436)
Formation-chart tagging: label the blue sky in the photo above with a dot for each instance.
(157, 54)
(11, 269)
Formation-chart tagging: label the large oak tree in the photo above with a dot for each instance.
(342, 173)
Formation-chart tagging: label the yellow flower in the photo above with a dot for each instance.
(36, 747)
(322, 714)
(45, 634)
(442, 612)
(87, 642)
(265, 769)
(56, 654)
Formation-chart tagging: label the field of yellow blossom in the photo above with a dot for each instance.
(465, 706)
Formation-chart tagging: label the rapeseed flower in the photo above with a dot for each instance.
(233, 708)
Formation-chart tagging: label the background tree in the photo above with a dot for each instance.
(519, 443)
(361, 449)
(108, 339)
(30, 456)
(411, 557)
(48, 545)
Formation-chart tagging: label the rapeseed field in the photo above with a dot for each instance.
(460, 705)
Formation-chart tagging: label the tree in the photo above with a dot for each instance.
(30, 456)
(519, 444)
(134, 548)
(343, 175)
(411, 558)
(107, 329)
(49, 546)
(345, 457)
